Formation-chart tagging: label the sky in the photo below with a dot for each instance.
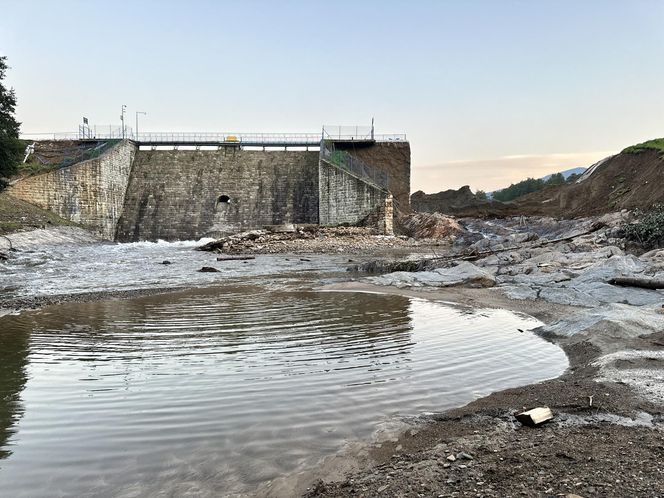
(487, 92)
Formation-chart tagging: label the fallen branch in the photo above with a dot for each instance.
(644, 283)
(235, 258)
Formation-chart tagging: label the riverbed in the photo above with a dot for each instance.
(239, 378)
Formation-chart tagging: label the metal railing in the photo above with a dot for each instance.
(352, 164)
(240, 138)
(359, 134)
(109, 132)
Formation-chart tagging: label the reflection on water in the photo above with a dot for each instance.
(214, 392)
(13, 360)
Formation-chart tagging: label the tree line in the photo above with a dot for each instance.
(11, 147)
(527, 186)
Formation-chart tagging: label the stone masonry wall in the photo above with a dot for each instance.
(394, 159)
(345, 198)
(91, 192)
(177, 195)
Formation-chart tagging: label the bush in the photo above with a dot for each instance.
(649, 230)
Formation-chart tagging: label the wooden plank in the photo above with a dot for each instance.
(535, 417)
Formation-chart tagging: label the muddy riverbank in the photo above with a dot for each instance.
(607, 436)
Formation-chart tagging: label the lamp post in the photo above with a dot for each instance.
(137, 113)
(124, 108)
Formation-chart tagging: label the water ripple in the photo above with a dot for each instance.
(216, 391)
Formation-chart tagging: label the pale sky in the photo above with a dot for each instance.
(488, 92)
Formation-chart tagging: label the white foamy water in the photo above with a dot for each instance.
(64, 268)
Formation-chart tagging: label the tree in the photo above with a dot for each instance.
(481, 195)
(555, 179)
(11, 147)
(517, 190)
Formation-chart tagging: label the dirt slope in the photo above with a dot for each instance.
(627, 180)
(631, 179)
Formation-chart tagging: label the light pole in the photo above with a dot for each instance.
(137, 113)
(124, 108)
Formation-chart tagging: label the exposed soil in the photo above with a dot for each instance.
(629, 180)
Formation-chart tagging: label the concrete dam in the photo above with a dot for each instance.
(136, 191)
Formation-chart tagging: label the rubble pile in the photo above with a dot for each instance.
(428, 226)
(307, 239)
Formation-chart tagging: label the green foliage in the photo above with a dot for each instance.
(527, 186)
(649, 230)
(555, 179)
(11, 148)
(573, 177)
(518, 189)
(481, 195)
(656, 144)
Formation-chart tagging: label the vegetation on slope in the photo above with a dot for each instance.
(656, 144)
(648, 231)
(531, 185)
(16, 214)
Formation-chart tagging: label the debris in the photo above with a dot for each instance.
(644, 283)
(235, 258)
(464, 456)
(429, 226)
(208, 269)
(535, 417)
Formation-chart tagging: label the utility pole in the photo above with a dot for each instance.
(124, 108)
(136, 132)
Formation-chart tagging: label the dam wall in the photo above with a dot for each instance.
(392, 158)
(128, 194)
(189, 194)
(348, 199)
(91, 193)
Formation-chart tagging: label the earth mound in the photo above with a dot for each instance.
(629, 180)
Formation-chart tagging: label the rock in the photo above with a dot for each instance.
(464, 456)
(208, 269)
(520, 238)
(451, 458)
(166, 262)
(464, 273)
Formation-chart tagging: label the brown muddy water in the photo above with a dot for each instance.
(215, 392)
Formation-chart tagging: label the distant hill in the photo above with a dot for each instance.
(566, 174)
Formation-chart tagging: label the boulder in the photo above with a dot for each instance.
(464, 273)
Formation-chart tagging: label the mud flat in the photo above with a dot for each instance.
(607, 435)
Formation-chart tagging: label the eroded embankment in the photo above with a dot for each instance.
(606, 438)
